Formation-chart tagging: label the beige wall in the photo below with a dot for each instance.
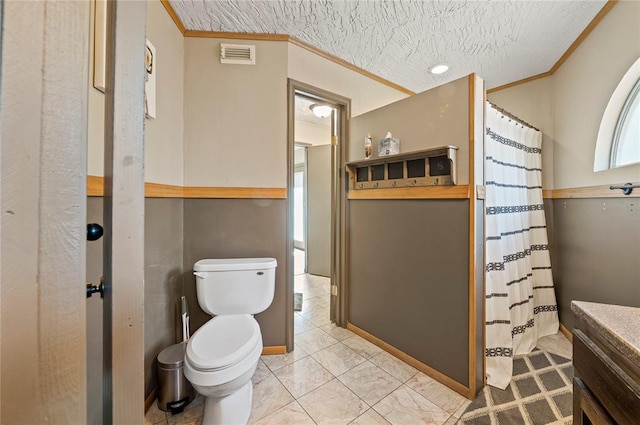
(163, 135)
(533, 103)
(581, 90)
(436, 117)
(235, 116)
(365, 93)
(225, 125)
(568, 106)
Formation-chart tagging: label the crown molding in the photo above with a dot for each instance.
(174, 16)
(279, 37)
(285, 37)
(583, 35)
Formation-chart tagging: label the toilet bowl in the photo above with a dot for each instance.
(223, 354)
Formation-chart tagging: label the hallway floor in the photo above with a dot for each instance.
(334, 376)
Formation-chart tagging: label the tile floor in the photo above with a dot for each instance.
(334, 376)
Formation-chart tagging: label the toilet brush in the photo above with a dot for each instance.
(185, 320)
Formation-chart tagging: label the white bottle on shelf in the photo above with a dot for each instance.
(368, 147)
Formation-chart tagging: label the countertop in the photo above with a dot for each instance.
(618, 325)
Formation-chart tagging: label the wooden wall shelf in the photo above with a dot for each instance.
(429, 167)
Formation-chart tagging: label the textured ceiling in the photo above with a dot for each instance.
(501, 41)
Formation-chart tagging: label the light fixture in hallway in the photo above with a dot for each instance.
(321, 111)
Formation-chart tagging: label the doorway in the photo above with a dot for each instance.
(316, 241)
(300, 209)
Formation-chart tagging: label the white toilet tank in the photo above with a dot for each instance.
(235, 285)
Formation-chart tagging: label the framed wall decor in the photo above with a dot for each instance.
(150, 67)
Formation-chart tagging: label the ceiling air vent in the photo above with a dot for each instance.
(239, 54)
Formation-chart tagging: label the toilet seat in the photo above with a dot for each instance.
(223, 341)
(233, 344)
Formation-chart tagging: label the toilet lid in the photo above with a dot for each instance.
(223, 341)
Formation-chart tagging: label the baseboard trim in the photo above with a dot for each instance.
(148, 402)
(426, 369)
(274, 349)
(566, 332)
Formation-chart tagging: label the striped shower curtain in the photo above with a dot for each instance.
(520, 297)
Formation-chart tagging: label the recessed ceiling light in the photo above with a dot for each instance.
(439, 69)
(321, 111)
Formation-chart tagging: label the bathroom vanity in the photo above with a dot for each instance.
(606, 358)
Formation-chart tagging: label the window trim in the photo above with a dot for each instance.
(634, 95)
(605, 145)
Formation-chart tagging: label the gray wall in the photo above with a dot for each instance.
(228, 228)
(595, 247)
(163, 253)
(181, 232)
(163, 288)
(409, 279)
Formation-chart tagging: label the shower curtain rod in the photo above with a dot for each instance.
(510, 115)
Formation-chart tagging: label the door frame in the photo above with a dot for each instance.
(303, 169)
(123, 255)
(339, 201)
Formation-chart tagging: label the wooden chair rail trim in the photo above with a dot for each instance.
(95, 187)
(590, 192)
(157, 190)
(427, 192)
(235, 192)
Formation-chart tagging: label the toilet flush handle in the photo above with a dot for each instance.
(200, 275)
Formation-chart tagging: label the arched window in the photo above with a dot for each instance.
(626, 136)
(618, 141)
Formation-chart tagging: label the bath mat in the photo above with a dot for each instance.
(539, 393)
(297, 301)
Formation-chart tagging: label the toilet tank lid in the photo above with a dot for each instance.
(227, 264)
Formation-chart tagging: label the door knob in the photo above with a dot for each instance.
(92, 289)
(94, 231)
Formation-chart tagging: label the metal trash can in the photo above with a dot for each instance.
(174, 390)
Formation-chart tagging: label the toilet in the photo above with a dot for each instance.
(222, 355)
